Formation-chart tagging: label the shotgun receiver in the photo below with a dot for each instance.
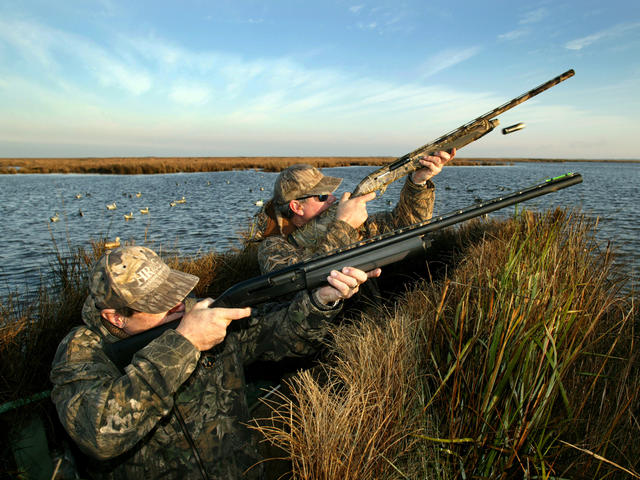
(458, 138)
(365, 255)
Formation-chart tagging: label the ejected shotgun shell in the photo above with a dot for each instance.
(513, 128)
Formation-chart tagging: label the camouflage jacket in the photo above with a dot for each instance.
(276, 251)
(126, 423)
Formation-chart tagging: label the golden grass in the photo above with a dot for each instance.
(518, 358)
(526, 347)
(140, 165)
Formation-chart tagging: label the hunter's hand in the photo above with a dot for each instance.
(431, 166)
(206, 327)
(344, 284)
(354, 210)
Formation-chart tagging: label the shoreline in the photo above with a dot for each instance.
(159, 165)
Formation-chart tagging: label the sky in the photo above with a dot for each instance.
(97, 78)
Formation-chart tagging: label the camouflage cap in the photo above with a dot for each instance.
(136, 277)
(302, 180)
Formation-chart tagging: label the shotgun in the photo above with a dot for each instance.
(365, 255)
(458, 138)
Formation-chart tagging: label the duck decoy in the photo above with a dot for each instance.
(144, 210)
(138, 195)
(182, 200)
(259, 203)
(128, 216)
(55, 218)
(111, 206)
(114, 244)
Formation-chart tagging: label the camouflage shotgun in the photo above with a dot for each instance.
(458, 138)
(365, 255)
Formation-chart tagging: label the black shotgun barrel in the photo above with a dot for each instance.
(366, 255)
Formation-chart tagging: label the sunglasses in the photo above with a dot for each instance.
(321, 198)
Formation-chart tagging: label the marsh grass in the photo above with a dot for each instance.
(515, 357)
(521, 363)
(142, 165)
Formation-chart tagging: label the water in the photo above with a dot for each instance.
(219, 204)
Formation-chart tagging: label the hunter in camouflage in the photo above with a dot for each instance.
(178, 409)
(290, 227)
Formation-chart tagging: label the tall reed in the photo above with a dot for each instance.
(521, 363)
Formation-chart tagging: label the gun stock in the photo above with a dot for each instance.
(366, 255)
(458, 138)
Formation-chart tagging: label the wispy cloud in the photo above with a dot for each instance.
(382, 20)
(534, 16)
(367, 25)
(513, 34)
(188, 94)
(53, 49)
(528, 18)
(615, 31)
(447, 59)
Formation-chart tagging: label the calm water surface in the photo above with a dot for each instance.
(219, 204)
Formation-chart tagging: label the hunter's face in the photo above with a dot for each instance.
(140, 321)
(314, 207)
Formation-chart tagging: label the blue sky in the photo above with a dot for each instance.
(331, 77)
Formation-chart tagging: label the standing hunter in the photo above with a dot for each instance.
(287, 234)
(179, 409)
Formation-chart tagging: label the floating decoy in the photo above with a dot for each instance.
(172, 204)
(262, 189)
(111, 206)
(114, 244)
(129, 216)
(208, 182)
(182, 200)
(144, 210)
(259, 203)
(138, 195)
(55, 218)
(80, 212)
(78, 196)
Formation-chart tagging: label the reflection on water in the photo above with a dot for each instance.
(218, 206)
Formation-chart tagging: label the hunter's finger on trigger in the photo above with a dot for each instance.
(237, 313)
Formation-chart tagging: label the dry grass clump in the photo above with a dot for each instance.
(521, 363)
(146, 165)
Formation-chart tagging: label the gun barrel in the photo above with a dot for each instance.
(369, 254)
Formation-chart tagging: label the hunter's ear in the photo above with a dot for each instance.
(110, 315)
(296, 207)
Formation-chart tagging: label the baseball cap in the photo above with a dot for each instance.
(136, 277)
(302, 180)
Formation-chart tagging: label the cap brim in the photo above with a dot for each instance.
(325, 186)
(170, 292)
